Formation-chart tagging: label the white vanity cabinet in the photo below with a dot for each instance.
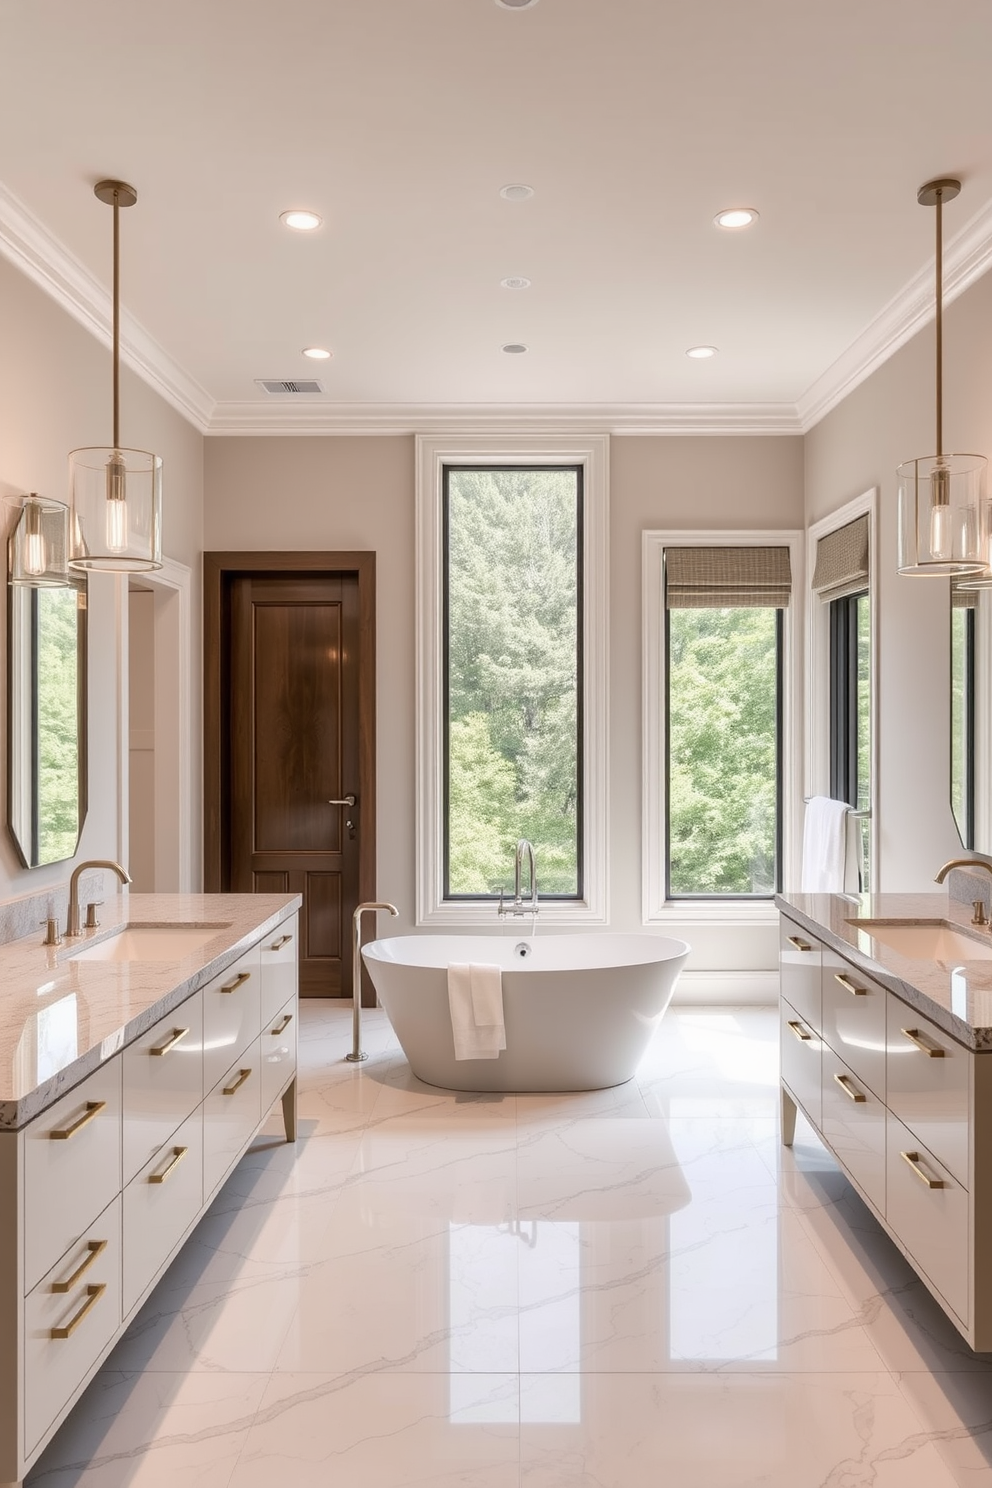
(104, 1185)
(905, 1108)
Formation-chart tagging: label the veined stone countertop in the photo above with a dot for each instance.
(61, 1018)
(957, 997)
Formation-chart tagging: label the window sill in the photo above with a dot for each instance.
(485, 917)
(689, 912)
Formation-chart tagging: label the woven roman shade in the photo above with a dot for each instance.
(842, 561)
(963, 599)
(727, 578)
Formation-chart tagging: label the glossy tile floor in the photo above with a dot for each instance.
(631, 1289)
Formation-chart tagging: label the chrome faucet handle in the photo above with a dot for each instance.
(53, 935)
(501, 910)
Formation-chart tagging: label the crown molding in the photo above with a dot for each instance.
(39, 255)
(966, 258)
(319, 417)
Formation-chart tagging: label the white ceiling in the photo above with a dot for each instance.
(399, 120)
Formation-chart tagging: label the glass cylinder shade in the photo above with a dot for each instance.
(943, 516)
(116, 510)
(37, 550)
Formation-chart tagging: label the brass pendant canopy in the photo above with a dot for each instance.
(115, 493)
(943, 515)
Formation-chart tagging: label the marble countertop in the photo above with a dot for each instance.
(61, 1018)
(957, 997)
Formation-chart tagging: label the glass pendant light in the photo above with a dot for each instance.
(37, 550)
(116, 494)
(943, 516)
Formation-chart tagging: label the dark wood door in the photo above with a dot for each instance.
(291, 741)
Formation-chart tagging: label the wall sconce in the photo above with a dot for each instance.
(116, 494)
(37, 549)
(943, 516)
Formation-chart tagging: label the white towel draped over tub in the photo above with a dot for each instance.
(824, 846)
(475, 997)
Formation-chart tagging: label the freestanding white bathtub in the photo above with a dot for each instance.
(579, 1009)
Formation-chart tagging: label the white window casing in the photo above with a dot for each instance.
(591, 452)
(655, 909)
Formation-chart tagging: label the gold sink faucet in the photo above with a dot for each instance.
(72, 921)
(979, 915)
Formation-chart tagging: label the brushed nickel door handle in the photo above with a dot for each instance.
(345, 801)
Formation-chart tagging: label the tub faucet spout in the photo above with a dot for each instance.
(525, 849)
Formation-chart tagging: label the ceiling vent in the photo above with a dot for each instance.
(280, 387)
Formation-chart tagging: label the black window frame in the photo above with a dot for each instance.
(843, 697)
(970, 741)
(578, 470)
(681, 898)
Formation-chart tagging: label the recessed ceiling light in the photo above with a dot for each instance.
(516, 192)
(301, 221)
(699, 353)
(515, 282)
(514, 348)
(515, 4)
(736, 217)
(317, 353)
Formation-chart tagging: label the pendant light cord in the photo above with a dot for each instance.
(116, 320)
(940, 325)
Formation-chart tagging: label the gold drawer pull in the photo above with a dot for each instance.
(801, 1034)
(93, 1295)
(850, 1089)
(932, 1051)
(95, 1248)
(277, 945)
(242, 1077)
(93, 1109)
(242, 976)
(178, 1153)
(287, 1019)
(913, 1158)
(800, 945)
(178, 1034)
(849, 986)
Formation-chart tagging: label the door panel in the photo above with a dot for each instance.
(294, 746)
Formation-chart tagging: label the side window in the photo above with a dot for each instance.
(724, 628)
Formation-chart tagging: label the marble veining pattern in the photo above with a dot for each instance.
(61, 1017)
(627, 1289)
(957, 998)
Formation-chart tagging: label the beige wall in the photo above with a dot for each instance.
(55, 395)
(359, 493)
(888, 419)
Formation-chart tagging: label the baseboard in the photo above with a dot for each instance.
(727, 989)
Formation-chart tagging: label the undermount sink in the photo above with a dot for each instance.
(927, 940)
(151, 943)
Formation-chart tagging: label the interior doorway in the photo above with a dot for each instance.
(289, 748)
(159, 840)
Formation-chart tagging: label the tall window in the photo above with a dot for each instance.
(512, 676)
(724, 639)
(841, 580)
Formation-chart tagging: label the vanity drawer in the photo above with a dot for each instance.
(931, 1222)
(853, 1126)
(854, 1019)
(279, 958)
(800, 959)
(160, 1204)
(278, 1053)
(927, 1084)
(72, 1169)
(231, 1016)
(89, 1311)
(163, 1082)
(231, 1115)
(801, 1061)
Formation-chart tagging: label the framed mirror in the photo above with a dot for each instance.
(971, 715)
(46, 716)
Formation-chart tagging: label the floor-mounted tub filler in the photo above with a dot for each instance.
(579, 1010)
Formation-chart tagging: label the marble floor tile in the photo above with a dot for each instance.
(383, 1431)
(153, 1431)
(726, 1431)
